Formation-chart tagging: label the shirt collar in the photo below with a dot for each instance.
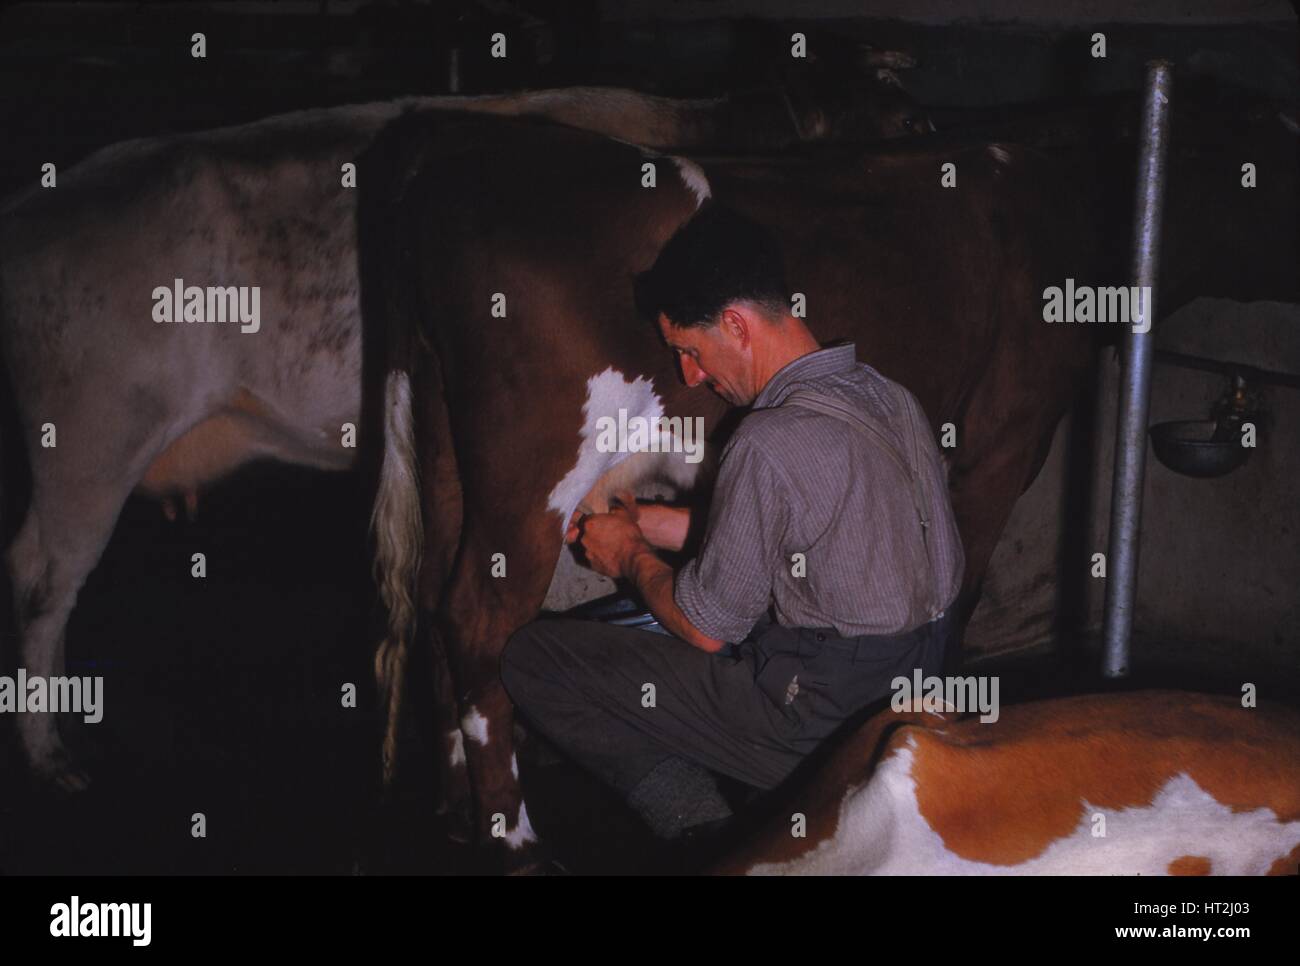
(837, 357)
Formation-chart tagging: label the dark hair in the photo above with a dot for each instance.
(714, 259)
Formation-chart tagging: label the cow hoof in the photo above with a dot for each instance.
(459, 828)
(72, 781)
(457, 821)
(538, 859)
(58, 770)
(541, 867)
(51, 764)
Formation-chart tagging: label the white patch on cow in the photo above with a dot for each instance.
(596, 476)
(607, 393)
(514, 765)
(456, 739)
(693, 177)
(475, 726)
(522, 833)
(882, 832)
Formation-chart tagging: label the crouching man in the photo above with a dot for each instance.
(831, 511)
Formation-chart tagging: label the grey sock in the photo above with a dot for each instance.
(675, 795)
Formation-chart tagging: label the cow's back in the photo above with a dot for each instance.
(1145, 783)
(257, 205)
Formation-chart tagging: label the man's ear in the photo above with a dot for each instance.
(735, 325)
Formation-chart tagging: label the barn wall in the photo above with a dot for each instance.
(1220, 558)
(946, 12)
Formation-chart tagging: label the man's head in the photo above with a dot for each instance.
(718, 294)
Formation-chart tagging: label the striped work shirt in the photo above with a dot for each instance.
(797, 481)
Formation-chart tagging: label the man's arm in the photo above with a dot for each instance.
(616, 547)
(729, 585)
(664, 527)
(653, 579)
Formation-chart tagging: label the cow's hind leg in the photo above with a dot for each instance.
(489, 598)
(58, 545)
(442, 506)
(455, 797)
(78, 487)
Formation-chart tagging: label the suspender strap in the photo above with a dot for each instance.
(873, 430)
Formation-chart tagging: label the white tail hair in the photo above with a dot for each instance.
(397, 529)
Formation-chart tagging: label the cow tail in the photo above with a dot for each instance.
(398, 533)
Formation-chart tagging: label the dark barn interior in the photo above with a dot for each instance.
(224, 695)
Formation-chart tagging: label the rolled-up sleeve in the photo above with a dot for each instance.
(726, 589)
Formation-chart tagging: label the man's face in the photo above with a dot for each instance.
(717, 356)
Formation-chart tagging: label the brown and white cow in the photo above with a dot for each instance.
(1142, 783)
(941, 289)
(170, 409)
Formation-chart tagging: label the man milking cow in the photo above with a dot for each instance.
(830, 514)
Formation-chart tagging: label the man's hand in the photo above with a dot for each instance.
(610, 540)
(616, 547)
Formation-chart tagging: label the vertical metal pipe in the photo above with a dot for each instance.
(1135, 381)
(453, 70)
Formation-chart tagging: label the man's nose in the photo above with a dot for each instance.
(692, 374)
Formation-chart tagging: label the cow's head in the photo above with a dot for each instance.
(878, 101)
(855, 98)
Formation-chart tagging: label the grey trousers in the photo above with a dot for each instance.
(621, 701)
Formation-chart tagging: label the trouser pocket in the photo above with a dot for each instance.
(777, 664)
(817, 679)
